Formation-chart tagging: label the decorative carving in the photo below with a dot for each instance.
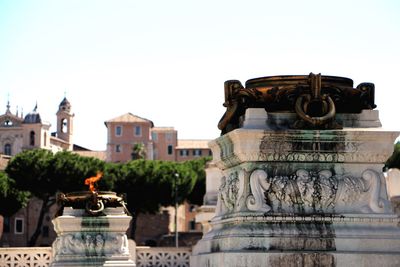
(230, 191)
(288, 148)
(318, 98)
(162, 257)
(27, 257)
(316, 192)
(117, 244)
(258, 184)
(91, 244)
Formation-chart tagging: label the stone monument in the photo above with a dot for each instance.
(91, 230)
(301, 181)
(206, 212)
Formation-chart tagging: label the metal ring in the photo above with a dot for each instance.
(89, 207)
(316, 121)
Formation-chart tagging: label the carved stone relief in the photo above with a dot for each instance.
(230, 191)
(283, 148)
(91, 244)
(308, 191)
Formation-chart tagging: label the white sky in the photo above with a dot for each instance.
(167, 60)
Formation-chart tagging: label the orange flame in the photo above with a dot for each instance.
(91, 180)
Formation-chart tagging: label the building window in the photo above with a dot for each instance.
(64, 125)
(209, 153)
(7, 149)
(45, 231)
(197, 152)
(184, 152)
(118, 131)
(138, 131)
(168, 136)
(192, 225)
(19, 226)
(8, 123)
(45, 139)
(32, 138)
(170, 149)
(154, 136)
(6, 225)
(118, 148)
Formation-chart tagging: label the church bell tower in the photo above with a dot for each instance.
(65, 122)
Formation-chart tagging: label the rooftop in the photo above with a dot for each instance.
(129, 117)
(196, 144)
(163, 129)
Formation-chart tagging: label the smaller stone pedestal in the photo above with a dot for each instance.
(87, 240)
(207, 211)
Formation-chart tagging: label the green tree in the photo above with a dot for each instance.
(30, 171)
(149, 184)
(43, 173)
(138, 151)
(394, 160)
(69, 170)
(11, 199)
(196, 196)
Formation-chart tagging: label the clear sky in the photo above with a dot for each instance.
(167, 60)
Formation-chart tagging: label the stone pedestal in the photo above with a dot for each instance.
(292, 197)
(207, 211)
(84, 240)
(393, 187)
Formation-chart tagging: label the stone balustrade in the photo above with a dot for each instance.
(145, 257)
(27, 257)
(162, 257)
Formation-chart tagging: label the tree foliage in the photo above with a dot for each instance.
(148, 184)
(394, 160)
(10, 198)
(138, 151)
(43, 173)
(30, 170)
(196, 196)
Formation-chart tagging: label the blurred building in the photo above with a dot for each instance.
(19, 132)
(160, 143)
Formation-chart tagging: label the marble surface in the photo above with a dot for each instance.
(302, 197)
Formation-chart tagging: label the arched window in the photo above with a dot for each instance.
(7, 149)
(64, 125)
(32, 138)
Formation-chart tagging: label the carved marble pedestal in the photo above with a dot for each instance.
(91, 240)
(302, 197)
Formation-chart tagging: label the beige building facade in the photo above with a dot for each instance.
(18, 132)
(161, 143)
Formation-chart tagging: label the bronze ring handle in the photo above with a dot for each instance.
(94, 209)
(316, 121)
